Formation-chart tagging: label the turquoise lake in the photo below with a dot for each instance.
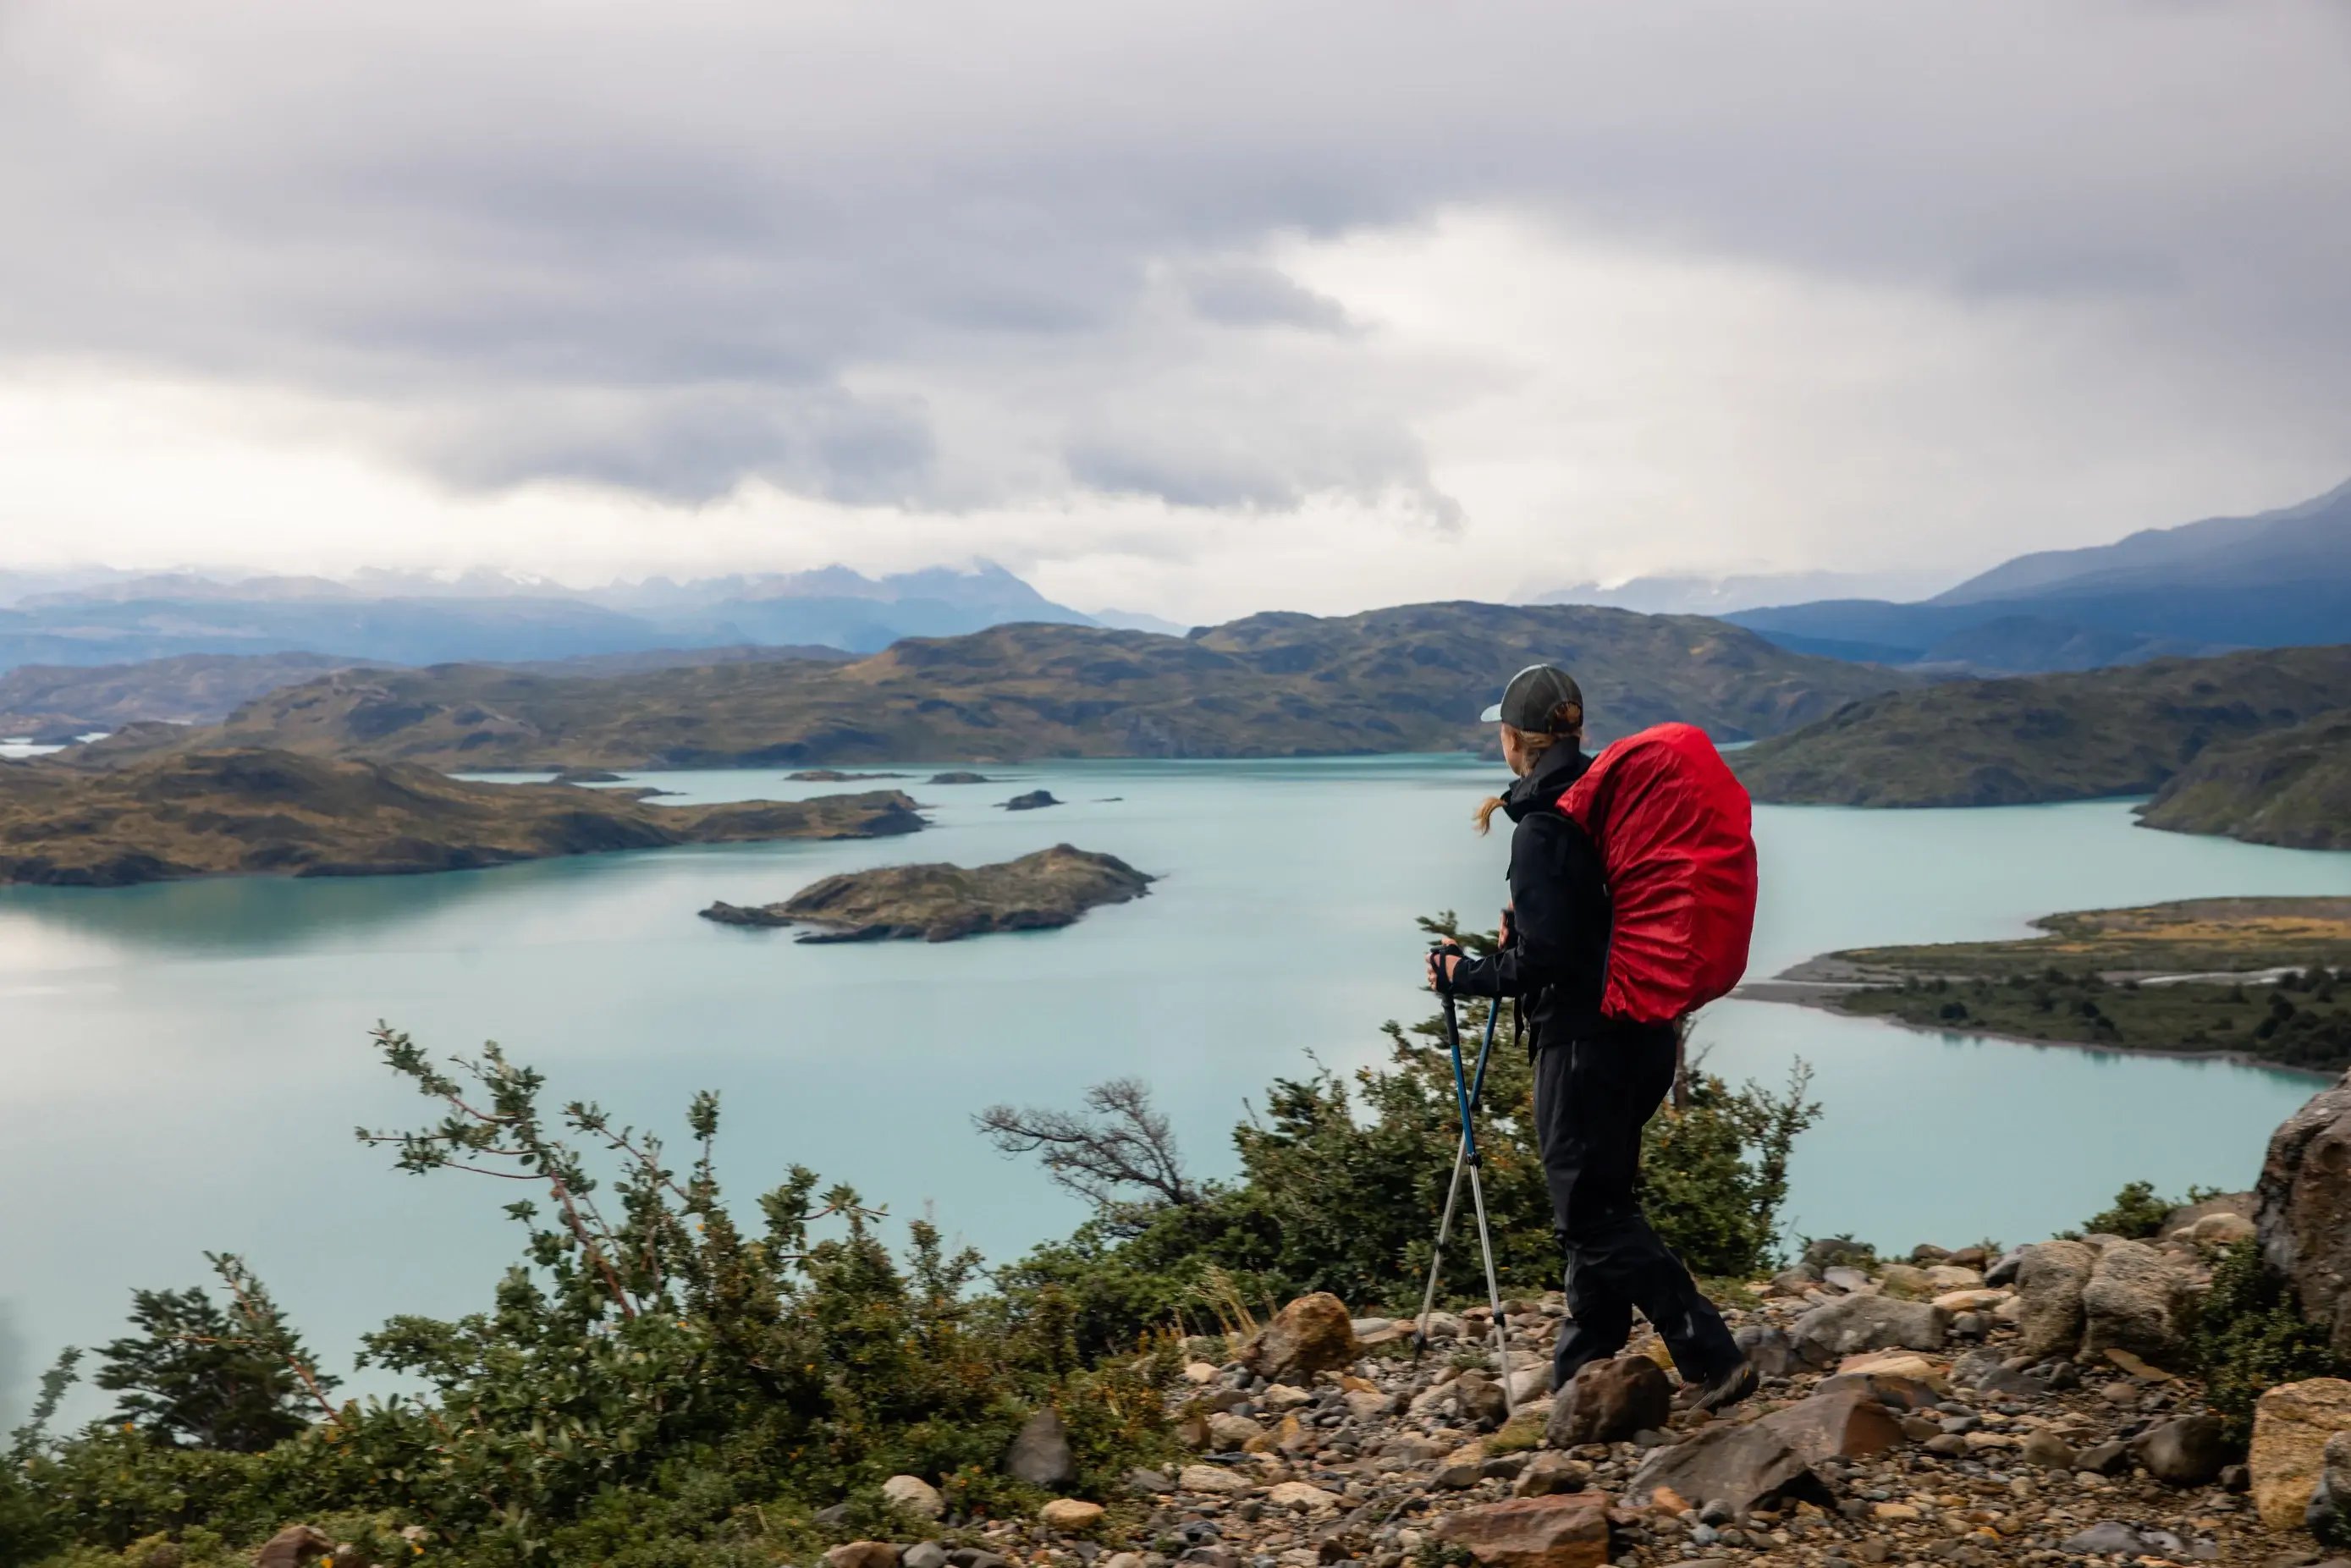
(185, 1063)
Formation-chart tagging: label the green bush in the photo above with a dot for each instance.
(2249, 1338)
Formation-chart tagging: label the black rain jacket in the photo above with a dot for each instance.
(1557, 961)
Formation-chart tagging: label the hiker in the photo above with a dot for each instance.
(1598, 1078)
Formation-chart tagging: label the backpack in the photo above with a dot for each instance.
(1676, 834)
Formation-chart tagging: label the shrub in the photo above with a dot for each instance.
(2249, 1338)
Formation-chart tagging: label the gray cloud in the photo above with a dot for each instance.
(671, 248)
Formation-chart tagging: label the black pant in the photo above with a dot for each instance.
(1591, 1098)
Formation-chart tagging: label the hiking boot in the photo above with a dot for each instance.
(1726, 1388)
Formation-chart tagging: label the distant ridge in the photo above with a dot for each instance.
(2277, 579)
(94, 618)
(1408, 679)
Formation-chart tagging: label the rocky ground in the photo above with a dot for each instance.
(1955, 1408)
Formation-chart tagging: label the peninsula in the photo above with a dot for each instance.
(2263, 979)
(216, 812)
(940, 902)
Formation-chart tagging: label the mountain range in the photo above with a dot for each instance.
(1406, 679)
(415, 618)
(2277, 579)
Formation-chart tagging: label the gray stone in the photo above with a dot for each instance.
(2189, 1452)
(1795, 1281)
(2328, 1517)
(2103, 1459)
(1149, 1483)
(2003, 1268)
(1768, 1350)
(913, 1494)
(2107, 1538)
(1855, 1323)
(1039, 1454)
(923, 1554)
(1739, 1466)
(2049, 1278)
(2133, 1302)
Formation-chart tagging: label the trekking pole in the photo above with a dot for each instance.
(1465, 1093)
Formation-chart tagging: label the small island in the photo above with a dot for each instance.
(833, 775)
(253, 812)
(959, 778)
(2257, 979)
(1035, 800)
(941, 902)
(584, 776)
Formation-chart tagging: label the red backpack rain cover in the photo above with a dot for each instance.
(1676, 834)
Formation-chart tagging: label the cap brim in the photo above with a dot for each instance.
(1491, 716)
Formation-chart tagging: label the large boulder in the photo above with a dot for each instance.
(2302, 1209)
(2133, 1302)
(2049, 1278)
(2292, 1425)
(1609, 1401)
(1735, 1466)
(1559, 1529)
(1039, 1453)
(1312, 1334)
(1840, 1328)
(1849, 1423)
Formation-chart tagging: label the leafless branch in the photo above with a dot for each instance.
(1118, 1145)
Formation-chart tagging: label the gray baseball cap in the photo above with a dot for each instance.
(1532, 698)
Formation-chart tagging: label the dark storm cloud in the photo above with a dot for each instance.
(671, 247)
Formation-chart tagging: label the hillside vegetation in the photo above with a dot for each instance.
(200, 812)
(1409, 679)
(2127, 731)
(2262, 981)
(2289, 787)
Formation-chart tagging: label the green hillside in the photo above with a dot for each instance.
(1406, 679)
(2128, 731)
(2289, 787)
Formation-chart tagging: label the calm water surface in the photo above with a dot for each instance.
(185, 1063)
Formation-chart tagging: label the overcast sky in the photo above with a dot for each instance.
(1195, 309)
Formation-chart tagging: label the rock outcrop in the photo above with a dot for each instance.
(2302, 1209)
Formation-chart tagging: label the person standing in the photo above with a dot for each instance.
(1598, 1079)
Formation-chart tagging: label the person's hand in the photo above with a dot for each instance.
(1451, 962)
(1506, 935)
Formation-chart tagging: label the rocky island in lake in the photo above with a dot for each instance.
(255, 811)
(939, 902)
(1036, 799)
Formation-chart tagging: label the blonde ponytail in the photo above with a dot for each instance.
(1566, 724)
